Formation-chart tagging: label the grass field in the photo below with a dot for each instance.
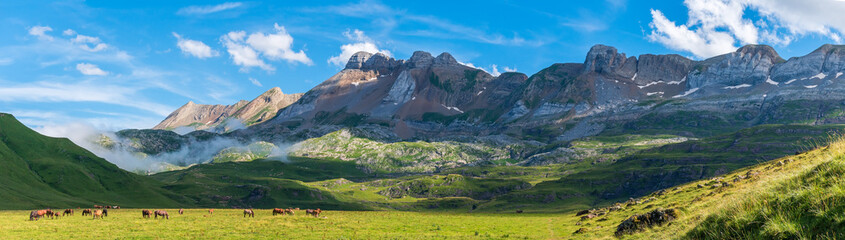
(230, 224)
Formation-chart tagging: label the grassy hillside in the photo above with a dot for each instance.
(39, 171)
(653, 169)
(794, 197)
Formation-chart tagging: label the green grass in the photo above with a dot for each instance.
(230, 224)
(39, 171)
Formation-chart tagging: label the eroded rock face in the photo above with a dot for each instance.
(828, 60)
(748, 65)
(606, 59)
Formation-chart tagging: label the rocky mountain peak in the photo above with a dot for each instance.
(764, 51)
(445, 59)
(357, 60)
(606, 59)
(420, 59)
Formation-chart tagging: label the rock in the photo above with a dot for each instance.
(641, 222)
(357, 60)
(420, 59)
(582, 212)
(588, 216)
(748, 65)
(580, 231)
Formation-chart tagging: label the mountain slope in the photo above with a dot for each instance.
(787, 198)
(39, 171)
(199, 116)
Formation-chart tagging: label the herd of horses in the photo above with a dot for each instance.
(103, 211)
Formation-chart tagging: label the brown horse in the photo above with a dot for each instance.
(211, 211)
(181, 211)
(37, 214)
(249, 212)
(278, 211)
(98, 214)
(289, 211)
(86, 212)
(314, 213)
(161, 213)
(146, 213)
(68, 212)
(98, 207)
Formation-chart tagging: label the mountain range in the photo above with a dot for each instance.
(427, 97)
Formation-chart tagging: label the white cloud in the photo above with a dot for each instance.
(495, 71)
(701, 43)
(361, 43)
(202, 10)
(80, 92)
(716, 26)
(508, 69)
(255, 82)
(192, 47)
(90, 69)
(88, 43)
(251, 51)
(277, 46)
(41, 32)
(68, 32)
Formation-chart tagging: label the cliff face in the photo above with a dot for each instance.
(200, 116)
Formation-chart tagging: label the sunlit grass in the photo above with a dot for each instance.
(230, 224)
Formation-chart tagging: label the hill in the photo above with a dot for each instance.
(39, 171)
(793, 197)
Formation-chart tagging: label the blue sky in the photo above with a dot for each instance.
(119, 64)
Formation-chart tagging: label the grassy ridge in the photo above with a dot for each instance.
(39, 171)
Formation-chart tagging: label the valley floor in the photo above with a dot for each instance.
(230, 224)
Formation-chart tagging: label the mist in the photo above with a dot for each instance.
(119, 151)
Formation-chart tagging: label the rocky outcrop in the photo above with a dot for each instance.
(748, 65)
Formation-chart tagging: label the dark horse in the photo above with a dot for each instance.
(146, 213)
(249, 212)
(314, 213)
(105, 212)
(161, 213)
(68, 212)
(181, 211)
(86, 212)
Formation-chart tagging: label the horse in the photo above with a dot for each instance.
(314, 213)
(278, 211)
(86, 212)
(98, 207)
(146, 213)
(211, 211)
(161, 213)
(105, 212)
(289, 211)
(98, 214)
(68, 212)
(249, 212)
(36, 214)
(181, 211)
